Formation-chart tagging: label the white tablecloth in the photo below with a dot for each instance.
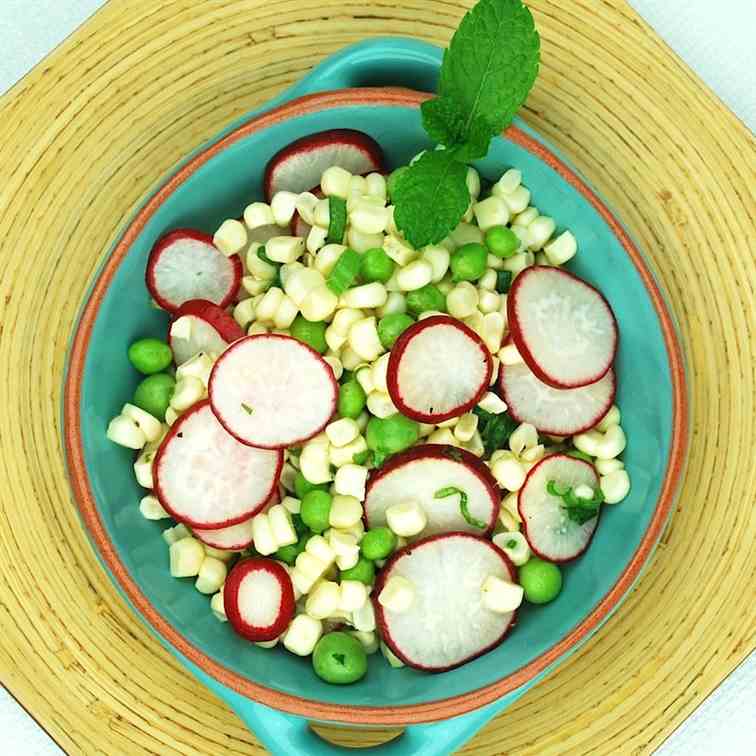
(716, 39)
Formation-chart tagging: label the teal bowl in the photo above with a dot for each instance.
(275, 692)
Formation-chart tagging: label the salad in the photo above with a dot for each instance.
(381, 418)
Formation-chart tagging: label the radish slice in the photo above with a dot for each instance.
(563, 327)
(438, 369)
(447, 623)
(299, 227)
(258, 599)
(185, 265)
(420, 473)
(207, 328)
(272, 391)
(558, 412)
(300, 165)
(236, 538)
(552, 535)
(206, 478)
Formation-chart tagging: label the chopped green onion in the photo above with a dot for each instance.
(511, 543)
(503, 281)
(247, 408)
(344, 273)
(578, 510)
(580, 455)
(442, 493)
(337, 219)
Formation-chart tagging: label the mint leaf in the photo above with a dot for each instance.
(447, 124)
(431, 197)
(488, 70)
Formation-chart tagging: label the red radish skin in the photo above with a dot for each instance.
(266, 374)
(533, 496)
(403, 468)
(426, 363)
(236, 538)
(572, 371)
(441, 585)
(226, 330)
(189, 480)
(172, 280)
(300, 164)
(258, 599)
(557, 412)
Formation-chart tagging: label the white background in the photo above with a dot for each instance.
(718, 41)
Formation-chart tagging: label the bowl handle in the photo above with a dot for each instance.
(287, 734)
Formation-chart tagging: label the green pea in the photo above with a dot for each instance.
(302, 486)
(290, 553)
(502, 241)
(150, 356)
(364, 571)
(312, 334)
(154, 394)
(394, 178)
(541, 581)
(376, 265)
(389, 435)
(391, 327)
(339, 658)
(427, 298)
(352, 399)
(468, 263)
(315, 509)
(378, 543)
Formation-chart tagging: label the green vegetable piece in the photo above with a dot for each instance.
(487, 72)
(361, 458)
(442, 493)
(541, 581)
(364, 571)
(376, 265)
(344, 273)
(468, 263)
(577, 454)
(312, 334)
(431, 197)
(352, 399)
(579, 510)
(337, 219)
(264, 257)
(299, 527)
(290, 553)
(339, 659)
(315, 509)
(150, 356)
(378, 543)
(391, 327)
(393, 179)
(503, 281)
(511, 543)
(502, 241)
(494, 430)
(422, 300)
(389, 435)
(302, 486)
(154, 394)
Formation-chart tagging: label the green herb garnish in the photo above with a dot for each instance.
(577, 454)
(344, 273)
(261, 254)
(511, 543)
(503, 281)
(337, 219)
(494, 430)
(361, 457)
(579, 510)
(442, 493)
(487, 72)
(247, 408)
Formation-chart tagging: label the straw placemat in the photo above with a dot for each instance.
(87, 135)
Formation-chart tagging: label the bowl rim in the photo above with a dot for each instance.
(313, 709)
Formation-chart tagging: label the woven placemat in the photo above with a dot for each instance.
(90, 132)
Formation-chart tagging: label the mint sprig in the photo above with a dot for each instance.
(486, 74)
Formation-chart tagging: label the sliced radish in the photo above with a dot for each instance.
(272, 391)
(300, 227)
(206, 479)
(552, 535)
(207, 328)
(236, 538)
(558, 412)
(299, 165)
(438, 369)
(185, 265)
(562, 326)
(447, 623)
(420, 473)
(258, 599)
